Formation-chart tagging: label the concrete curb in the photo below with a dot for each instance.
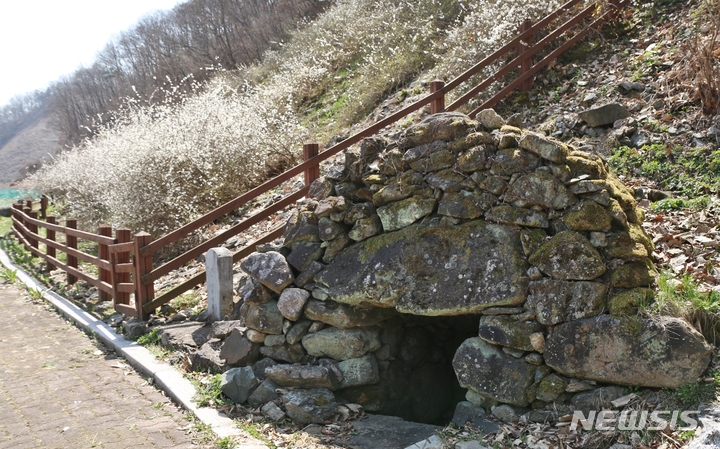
(177, 387)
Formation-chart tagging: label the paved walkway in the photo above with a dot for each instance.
(58, 390)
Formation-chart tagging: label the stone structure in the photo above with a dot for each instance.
(218, 266)
(462, 258)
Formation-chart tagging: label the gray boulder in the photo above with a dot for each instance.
(490, 119)
(251, 291)
(290, 353)
(487, 370)
(541, 189)
(310, 406)
(298, 331)
(598, 399)
(265, 318)
(342, 344)
(237, 349)
(270, 269)
(410, 270)
(292, 302)
(207, 358)
(660, 353)
(360, 371)
(569, 256)
(404, 213)
(238, 383)
(604, 115)
(265, 392)
(345, 316)
(506, 331)
(544, 147)
(305, 376)
(558, 301)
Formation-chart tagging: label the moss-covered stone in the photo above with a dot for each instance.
(365, 228)
(412, 269)
(569, 256)
(342, 344)
(635, 215)
(589, 216)
(507, 141)
(620, 192)
(472, 160)
(509, 332)
(631, 275)
(490, 119)
(550, 388)
(639, 235)
(389, 194)
(621, 245)
(462, 204)
(486, 370)
(404, 213)
(513, 160)
(619, 218)
(626, 303)
(493, 184)
(441, 159)
(469, 141)
(511, 129)
(542, 189)
(584, 166)
(532, 239)
(544, 147)
(443, 126)
(661, 352)
(508, 214)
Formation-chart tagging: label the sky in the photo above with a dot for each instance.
(41, 40)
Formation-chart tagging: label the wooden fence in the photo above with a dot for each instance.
(113, 261)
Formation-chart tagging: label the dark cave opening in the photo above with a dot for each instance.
(417, 380)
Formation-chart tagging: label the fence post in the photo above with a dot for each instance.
(43, 206)
(32, 228)
(437, 105)
(526, 63)
(104, 254)
(312, 173)
(71, 242)
(123, 235)
(49, 250)
(144, 293)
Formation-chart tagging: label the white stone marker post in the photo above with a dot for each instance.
(219, 279)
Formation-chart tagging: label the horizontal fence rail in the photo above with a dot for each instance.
(27, 227)
(125, 263)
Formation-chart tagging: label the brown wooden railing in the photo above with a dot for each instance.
(116, 256)
(27, 224)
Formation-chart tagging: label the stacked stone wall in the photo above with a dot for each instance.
(515, 259)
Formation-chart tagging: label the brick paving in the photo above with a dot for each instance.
(59, 390)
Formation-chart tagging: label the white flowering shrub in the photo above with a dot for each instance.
(481, 33)
(154, 168)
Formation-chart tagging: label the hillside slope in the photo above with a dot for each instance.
(37, 141)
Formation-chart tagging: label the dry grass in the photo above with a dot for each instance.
(701, 65)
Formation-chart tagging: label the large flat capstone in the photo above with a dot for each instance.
(659, 353)
(432, 271)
